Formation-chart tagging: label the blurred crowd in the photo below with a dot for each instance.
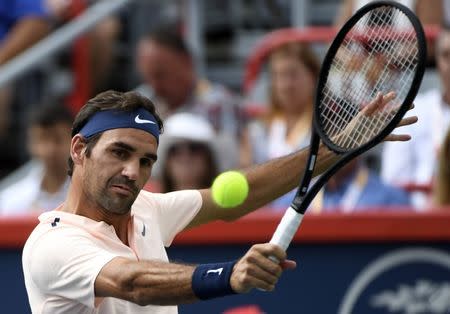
(210, 127)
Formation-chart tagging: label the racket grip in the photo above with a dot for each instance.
(287, 228)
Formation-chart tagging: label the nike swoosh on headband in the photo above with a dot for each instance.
(141, 121)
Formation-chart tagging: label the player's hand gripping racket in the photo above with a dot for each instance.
(380, 49)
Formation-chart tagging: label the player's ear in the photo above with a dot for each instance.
(77, 149)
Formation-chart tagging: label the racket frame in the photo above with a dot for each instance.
(304, 194)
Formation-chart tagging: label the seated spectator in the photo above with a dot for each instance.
(188, 156)
(355, 188)
(41, 184)
(414, 162)
(294, 70)
(168, 71)
(441, 188)
(22, 24)
(429, 12)
(285, 128)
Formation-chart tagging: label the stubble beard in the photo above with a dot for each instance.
(115, 204)
(110, 202)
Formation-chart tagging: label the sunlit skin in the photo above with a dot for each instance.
(106, 184)
(170, 74)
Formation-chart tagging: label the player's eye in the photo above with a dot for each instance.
(120, 153)
(146, 162)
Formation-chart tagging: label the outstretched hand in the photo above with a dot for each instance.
(380, 102)
(370, 121)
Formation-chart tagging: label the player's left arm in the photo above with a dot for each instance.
(276, 177)
(266, 182)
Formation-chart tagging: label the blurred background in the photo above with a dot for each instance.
(231, 69)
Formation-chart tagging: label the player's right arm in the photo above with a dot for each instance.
(145, 282)
(162, 283)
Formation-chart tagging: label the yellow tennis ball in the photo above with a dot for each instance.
(230, 189)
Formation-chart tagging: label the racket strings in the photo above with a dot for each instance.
(372, 59)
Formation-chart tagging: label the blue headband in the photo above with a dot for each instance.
(104, 120)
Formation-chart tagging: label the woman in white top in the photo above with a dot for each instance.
(285, 128)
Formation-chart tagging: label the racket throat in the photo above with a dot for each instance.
(298, 205)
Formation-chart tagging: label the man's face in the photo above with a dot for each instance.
(169, 73)
(119, 165)
(50, 145)
(443, 58)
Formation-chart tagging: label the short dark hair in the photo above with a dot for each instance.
(49, 114)
(169, 36)
(110, 100)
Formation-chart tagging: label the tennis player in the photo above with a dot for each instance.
(102, 250)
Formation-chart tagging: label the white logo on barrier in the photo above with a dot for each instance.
(424, 297)
(217, 271)
(440, 296)
(141, 121)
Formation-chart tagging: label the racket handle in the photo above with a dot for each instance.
(287, 228)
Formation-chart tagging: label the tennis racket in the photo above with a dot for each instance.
(380, 49)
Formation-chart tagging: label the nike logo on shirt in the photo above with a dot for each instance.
(142, 121)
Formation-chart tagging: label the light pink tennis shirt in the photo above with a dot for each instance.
(65, 253)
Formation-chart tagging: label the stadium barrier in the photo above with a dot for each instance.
(352, 261)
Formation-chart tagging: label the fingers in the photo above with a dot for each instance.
(402, 137)
(397, 138)
(268, 249)
(388, 97)
(373, 105)
(257, 270)
(288, 264)
(379, 103)
(408, 121)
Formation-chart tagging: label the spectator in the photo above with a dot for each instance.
(355, 188)
(294, 70)
(102, 41)
(429, 12)
(441, 188)
(414, 162)
(189, 160)
(435, 12)
(22, 24)
(41, 184)
(167, 68)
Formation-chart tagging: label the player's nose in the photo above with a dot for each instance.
(131, 169)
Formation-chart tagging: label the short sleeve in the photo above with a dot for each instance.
(175, 210)
(66, 264)
(25, 8)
